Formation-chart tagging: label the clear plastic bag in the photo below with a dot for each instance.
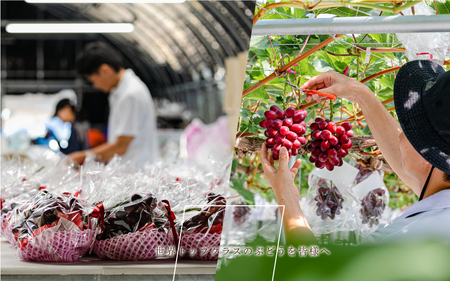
(50, 227)
(421, 46)
(200, 235)
(329, 203)
(138, 229)
(373, 198)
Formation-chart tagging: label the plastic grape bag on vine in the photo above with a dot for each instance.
(373, 197)
(420, 46)
(329, 203)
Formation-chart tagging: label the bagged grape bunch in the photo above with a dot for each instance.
(330, 143)
(139, 229)
(200, 236)
(51, 228)
(373, 197)
(330, 203)
(284, 129)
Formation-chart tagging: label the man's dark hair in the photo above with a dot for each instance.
(94, 55)
(446, 177)
(63, 103)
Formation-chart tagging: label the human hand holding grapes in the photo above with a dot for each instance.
(281, 179)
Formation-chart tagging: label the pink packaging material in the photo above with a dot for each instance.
(7, 232)
(57, 246)
(134, 246)
(2, 222)
(200, 246)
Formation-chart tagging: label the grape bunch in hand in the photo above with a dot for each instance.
(284, 128)
(329, 201)
(330, 143)
(372, 207)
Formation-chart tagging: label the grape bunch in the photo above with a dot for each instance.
(362, 174)
(131, 217)
(284, 128)
(329, 201)
(330, 143)
(241, 213)
(209, 219)
(372, 207)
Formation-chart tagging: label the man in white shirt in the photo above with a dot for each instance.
(417, 149)
(132, 120)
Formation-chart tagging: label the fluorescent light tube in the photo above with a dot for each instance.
(69, 27)
(100, 1)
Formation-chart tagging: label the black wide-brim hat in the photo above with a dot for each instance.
(422, 103)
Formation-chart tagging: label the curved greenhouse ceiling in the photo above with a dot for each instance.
(172, 43)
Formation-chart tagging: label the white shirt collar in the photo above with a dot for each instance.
(439, 200)
(125, 77)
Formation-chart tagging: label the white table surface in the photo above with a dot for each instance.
(93, 265)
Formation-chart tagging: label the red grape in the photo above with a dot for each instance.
(347, 145)
(274, 108)
(269, 114)
(325, 145)
(312, 159)
(290, 111)
(270, 142)
(342, 153)
(267, 134)
(294, 152)
(302, 130)
(286, 143)
(314, 126)
(323, 157)
(272, 132)
(263, 123)
(316, 135)
(298, 117)
(284, 130)
(350, 134)
(343, 139)
(277, 124)
(316, 143)
(322, 125)
(341, 162)
(329, 166)
(316, 152)
(278, 139)
(319, 164)
(303, 123)
(275, 155)
(296, 144)
(296, 128)
(269, 123)
(332, 153)
(279, 114)
(334, 161)
(331, 127)
(310, 148)
(302, 140)
(288, 122)
(318, 119)
(329, 201)
(292, 136)
(325, 134)
(347, 126)
(276, 148)
(340, 130)
(338, 147)
(333, 140)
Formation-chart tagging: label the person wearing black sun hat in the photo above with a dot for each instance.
(417, 147)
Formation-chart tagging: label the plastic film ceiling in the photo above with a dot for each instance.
(172, 43)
